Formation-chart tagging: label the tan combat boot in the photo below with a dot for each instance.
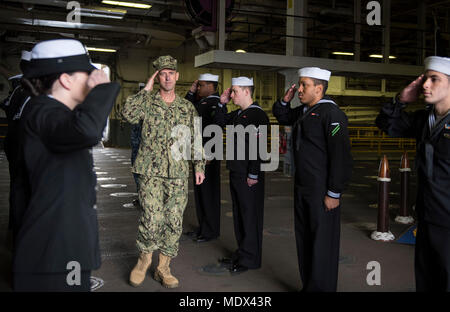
(162, 273)
(137, 275)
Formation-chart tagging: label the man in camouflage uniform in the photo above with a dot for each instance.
(163, 176)
(135, 140)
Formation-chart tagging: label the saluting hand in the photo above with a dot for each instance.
(289, 95)
(193, 88)
(225, 97)
(149, 86)
(97, 77)
(199, 178)
(412, 91)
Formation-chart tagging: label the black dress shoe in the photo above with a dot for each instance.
(226, 261)
(191, 234)
(238, 269)
(203, 239)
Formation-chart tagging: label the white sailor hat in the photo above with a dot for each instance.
(438, 63)
(314, 72)
(208, 77)
(19, 76)
(242, 81)
(58, 56)
(26, 55)
(25, 60)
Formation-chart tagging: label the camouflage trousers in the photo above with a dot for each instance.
(161, 223)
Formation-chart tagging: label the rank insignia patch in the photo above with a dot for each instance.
(336, 128)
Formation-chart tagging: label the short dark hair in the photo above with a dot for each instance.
(250, 88)
(324, 83)
(41, 85)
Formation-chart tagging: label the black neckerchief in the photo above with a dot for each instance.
(239, 112)
(306, 113)
(429, 134)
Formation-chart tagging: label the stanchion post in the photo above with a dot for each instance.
(404, 216)
(384, 178)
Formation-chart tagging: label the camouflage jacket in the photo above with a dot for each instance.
(155, 157)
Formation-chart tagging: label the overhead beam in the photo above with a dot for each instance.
(58, 20)
(104, 35)
(259, 61)
(157, 7)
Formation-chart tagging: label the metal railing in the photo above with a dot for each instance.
(3, 125)
(367, 139)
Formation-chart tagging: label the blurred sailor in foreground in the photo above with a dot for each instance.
(57, 245)
(431, 129)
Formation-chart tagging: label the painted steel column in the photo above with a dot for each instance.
(258, 76)
(421, 25)
(357, 28)
(221, 25)
(386, 30)
(290, 77)
(226, 79)
(296, 26)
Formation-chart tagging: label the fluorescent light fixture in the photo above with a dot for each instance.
(381, 56)
(22, 39)
(102, 12)
(107, 10)
(101, 15)
(100, 49)
(128, 4)
(240, 51)
(344, 53)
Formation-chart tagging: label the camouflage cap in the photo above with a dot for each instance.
(165, 62)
